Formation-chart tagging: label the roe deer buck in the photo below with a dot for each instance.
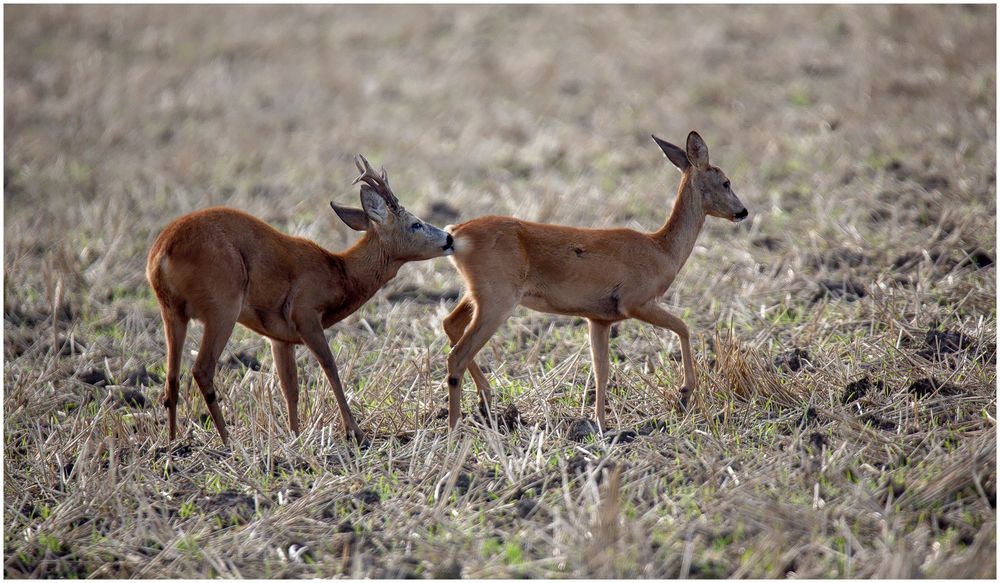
(604, 275)
(223, 266)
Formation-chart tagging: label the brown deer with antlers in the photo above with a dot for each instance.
(603, 275)
(222, 266)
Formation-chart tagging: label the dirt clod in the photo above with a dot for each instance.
(836, 259)
(449, 570)
(811, 415)
(878, 422)
(926, 386)
(405, 568)
(934, 182)
(346, 527)
(462, 483)
(94, 376)
(897, 486)
(140, 377)
(132, 398)
(848, 289)
(241, 360)
(793, 360)
(525, 506)
(817, 440)
(367, 497)
(580, 429)
(856, 390)
(908, 260)
(510, 417)
(940, 342)
(621, 436)
(977, 258)
(581, 466)
(651, 426)
(768, 243)
(231, 506)
(180, 450)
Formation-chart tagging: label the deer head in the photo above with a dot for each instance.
(404, 235)
(710, 182)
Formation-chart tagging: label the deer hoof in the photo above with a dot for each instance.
(683, 402)
(358, 437)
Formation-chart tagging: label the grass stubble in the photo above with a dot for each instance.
(845, 424)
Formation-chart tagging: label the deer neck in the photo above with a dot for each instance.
(368, 266)
(678, 234)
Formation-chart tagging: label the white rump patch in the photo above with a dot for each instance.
(458, 243)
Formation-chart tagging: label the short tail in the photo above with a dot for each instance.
(458, 243)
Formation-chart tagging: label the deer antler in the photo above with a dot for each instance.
(378, 182)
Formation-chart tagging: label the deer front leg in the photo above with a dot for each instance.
(284, 365)
(653, 314)
(600, 332)
(311, 331)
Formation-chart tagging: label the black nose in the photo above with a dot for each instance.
(449, 242)
(742, 214)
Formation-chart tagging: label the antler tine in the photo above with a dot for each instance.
(386, 191)
(362, 165)
(369, 177)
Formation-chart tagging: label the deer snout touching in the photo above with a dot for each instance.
(436, 242)
(440, 239)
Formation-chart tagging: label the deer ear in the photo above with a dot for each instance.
(697, 151)
(673, 153)
(353, 218)
(374, 204)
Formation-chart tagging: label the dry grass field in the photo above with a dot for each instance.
(845, 335)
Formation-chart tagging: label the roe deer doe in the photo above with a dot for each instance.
(604, 275)
(222, 266)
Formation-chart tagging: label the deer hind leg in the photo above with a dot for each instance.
(454, 326)
(488, 314)
(175, 328)
(284, 364)
(657, 316)
(600, 332)
(219, 324)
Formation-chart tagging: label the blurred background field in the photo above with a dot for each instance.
(845, 334)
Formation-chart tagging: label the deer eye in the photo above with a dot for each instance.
(725, 185)
(416, 226)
